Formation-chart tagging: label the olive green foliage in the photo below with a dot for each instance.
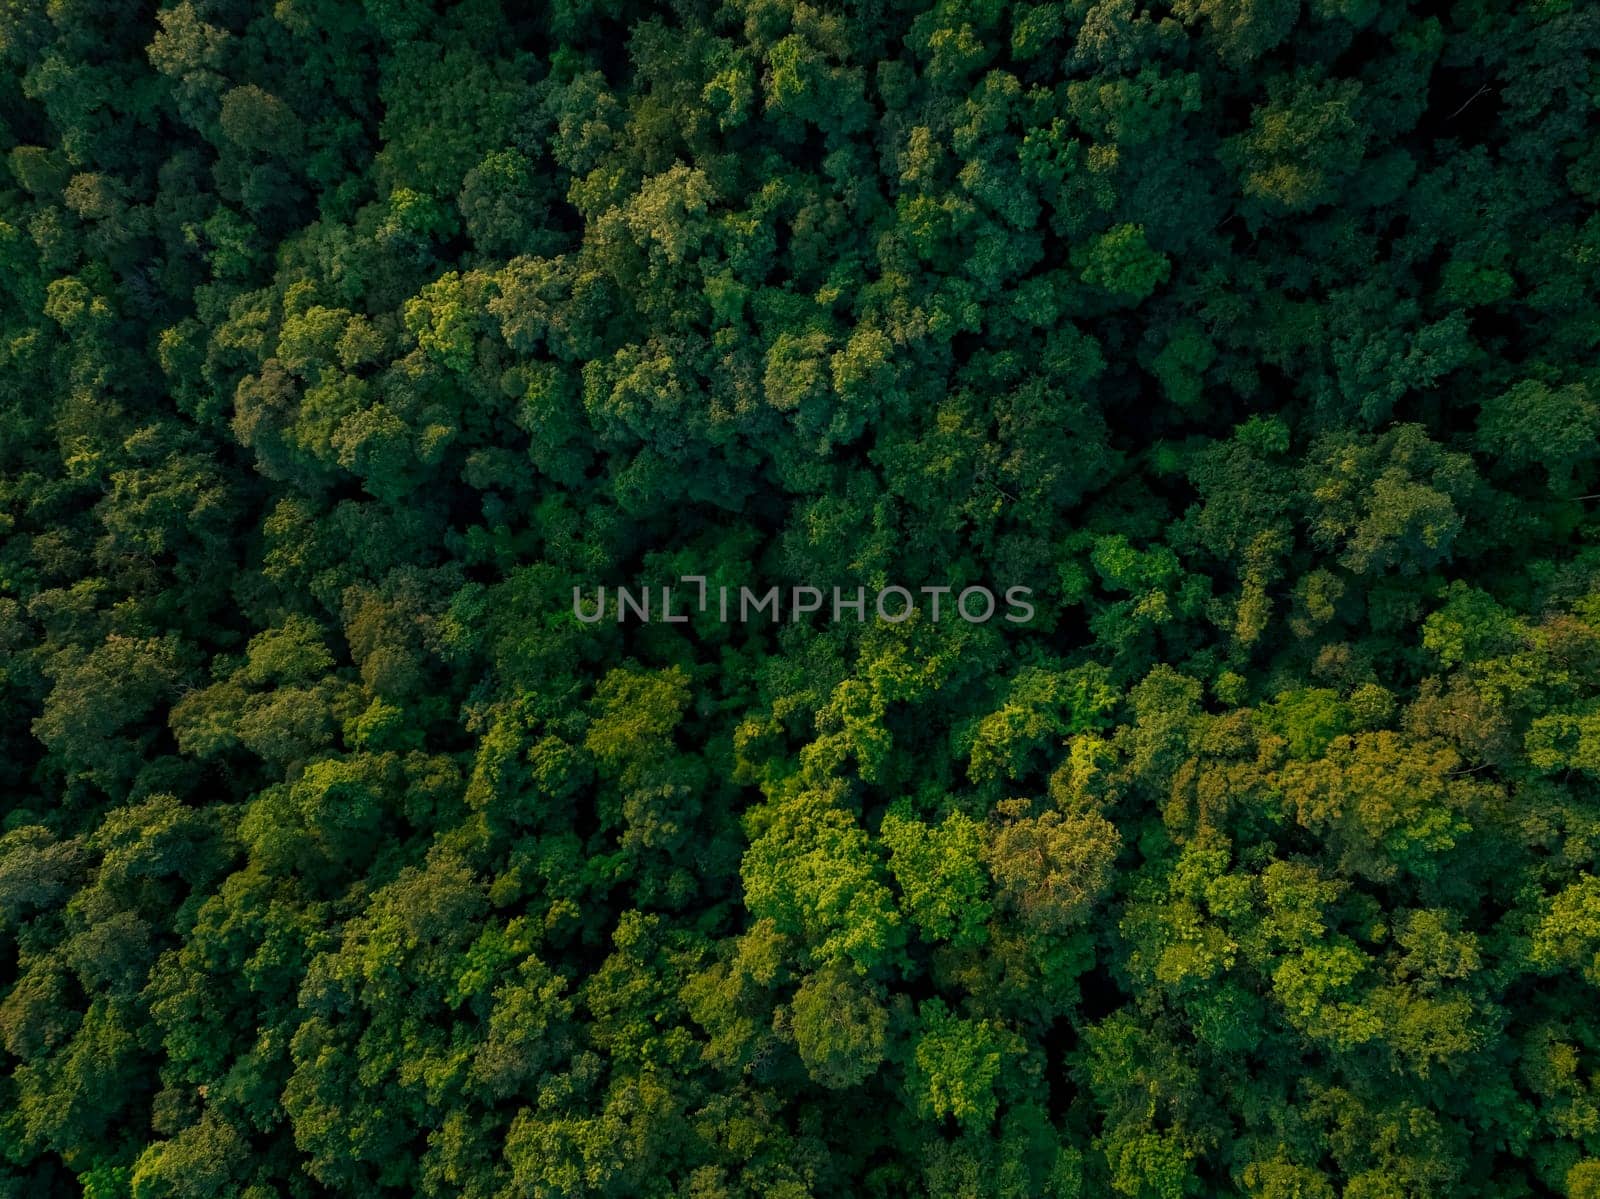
(341, 339)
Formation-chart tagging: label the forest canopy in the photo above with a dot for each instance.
(1257, 339)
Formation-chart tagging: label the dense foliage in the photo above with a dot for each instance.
(339, 342)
